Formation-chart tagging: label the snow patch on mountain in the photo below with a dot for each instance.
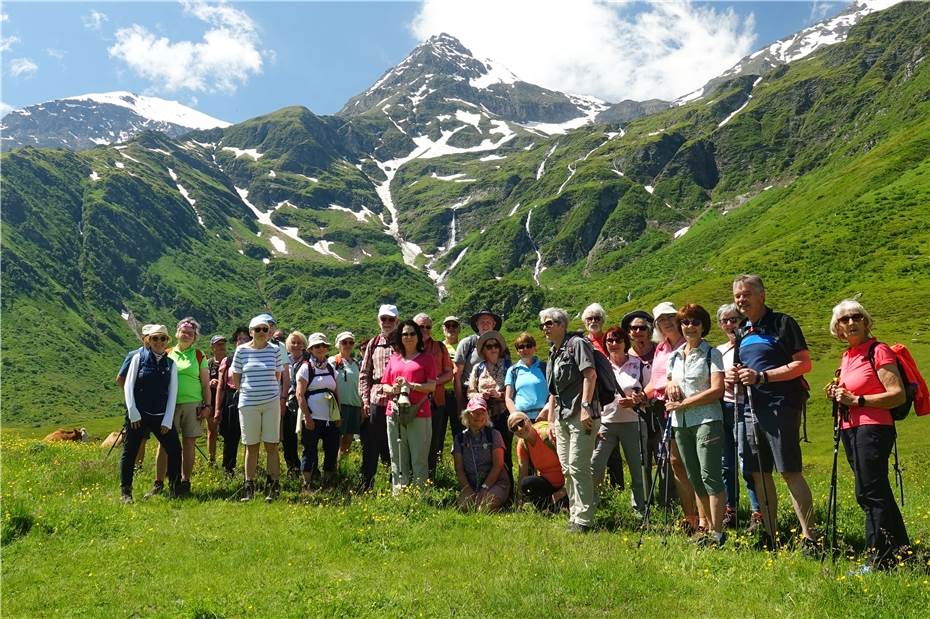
(153, 108)
(279, 245)
(265, 217)
(362, 215)
(244, 152)
(494, 74)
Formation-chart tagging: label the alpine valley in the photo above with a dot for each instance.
(451, 185)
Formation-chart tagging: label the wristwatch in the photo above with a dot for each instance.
(861, 401)
(484, 486)
(585, 404)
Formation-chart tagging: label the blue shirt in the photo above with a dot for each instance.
(123, 369)
(530, 391)
(767, 344)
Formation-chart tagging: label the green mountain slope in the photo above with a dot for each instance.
(817, 176)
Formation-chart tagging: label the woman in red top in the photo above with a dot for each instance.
(412, 371)
(866, 392)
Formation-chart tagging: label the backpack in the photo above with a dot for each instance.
(915, 387)
(197, 352)
(606, 386)
(313, 374)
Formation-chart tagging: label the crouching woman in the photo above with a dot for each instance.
(478, 453)
(150, 391)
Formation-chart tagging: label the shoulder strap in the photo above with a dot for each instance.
(871, 356)
(200, 356)
(489, 437)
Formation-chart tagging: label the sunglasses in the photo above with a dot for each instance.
(691, 322)
(260, 329)
(159, 338)
(548, 323)
(347, 342)
(517, 425)
(387, 319)
(408, 334)
(525, 346)
(639, 328)
(427, 327)
(851, 318)
(615, 339)
(729, 320)
(594, 319)
(492, 346)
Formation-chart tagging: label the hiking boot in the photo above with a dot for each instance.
(126, 495)
(718, 539)
(577, 527)
(729, 518)
(329, 480)
(157, 488)
(184, 489)
(755, 522)
(248, 490)
(274, 490)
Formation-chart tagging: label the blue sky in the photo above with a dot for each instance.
(239, 60)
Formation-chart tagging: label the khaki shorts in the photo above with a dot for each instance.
(260, 423)
(186, 422)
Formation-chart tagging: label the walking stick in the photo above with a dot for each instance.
(757, 436)
(898, 475)
(662, 457)
(642, 454)
(122, 431)
(832, 499)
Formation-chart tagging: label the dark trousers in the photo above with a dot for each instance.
(537, 489)
(329, 433)
(730, 457)
(289, 440)
(134, 436)
(230, 429)
(444, 416)
(867, 451)
(615, 468)
(373, 434)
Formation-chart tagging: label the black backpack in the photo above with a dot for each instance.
(606, 387)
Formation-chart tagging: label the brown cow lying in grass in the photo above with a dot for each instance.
(78, 434)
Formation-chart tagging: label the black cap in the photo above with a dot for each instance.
(628, 318)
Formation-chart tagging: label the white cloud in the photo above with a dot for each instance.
(4, 17)
(57, 54)
(5, 107)
(225, 58)
(23, 66)
(611, 51)
(7, 42)
(94, 20)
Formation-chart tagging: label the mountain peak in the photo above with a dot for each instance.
(91, 119)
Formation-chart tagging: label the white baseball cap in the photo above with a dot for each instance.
(665, 308)
(388, 310)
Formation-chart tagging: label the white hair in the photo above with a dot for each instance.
(727, 308)
(847, 306)
(595, 310)
(555, 314)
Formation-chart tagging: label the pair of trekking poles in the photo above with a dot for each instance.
(663, 458)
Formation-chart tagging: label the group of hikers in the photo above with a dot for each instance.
(688, 418)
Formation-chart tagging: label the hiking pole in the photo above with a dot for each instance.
(757, 436)
(642, 454)
(122, 431)
(831, 500)
(650, 501)
(899, 476)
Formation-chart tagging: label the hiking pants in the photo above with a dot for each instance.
(373, 434)
(867, 451)
(169, 441)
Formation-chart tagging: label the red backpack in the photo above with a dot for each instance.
(915, 387)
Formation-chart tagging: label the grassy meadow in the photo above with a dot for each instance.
(69, 548)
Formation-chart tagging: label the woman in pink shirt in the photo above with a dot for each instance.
(668, 337)
(410, 376)
(868, 388)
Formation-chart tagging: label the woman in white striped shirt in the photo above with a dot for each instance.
(256, 372)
